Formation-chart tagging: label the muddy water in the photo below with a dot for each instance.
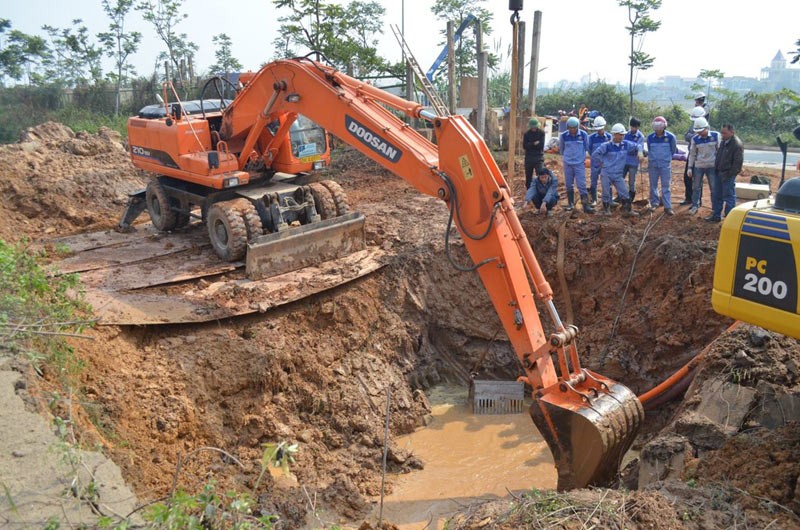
(467, 458)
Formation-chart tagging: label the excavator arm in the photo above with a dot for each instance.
(589, 421)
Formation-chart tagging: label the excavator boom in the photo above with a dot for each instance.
(588, 421)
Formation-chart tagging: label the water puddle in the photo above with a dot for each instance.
(467, 458)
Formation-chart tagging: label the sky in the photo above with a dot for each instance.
(579, 37)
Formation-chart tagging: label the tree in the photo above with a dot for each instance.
(640, 25)
(797, 53)
(707, 76)
(499, 89)
(344, 34)
(457, 11)
(75, 60)
(226, 62)
(165, 15)
(119, 44)
(21, 53)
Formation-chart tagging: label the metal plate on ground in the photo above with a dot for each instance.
(230, 298)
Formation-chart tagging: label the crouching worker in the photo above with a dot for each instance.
(611, 157)
(543, 190)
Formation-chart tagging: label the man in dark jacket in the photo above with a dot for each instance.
(728, 164)
(543, 190)
(533, 143)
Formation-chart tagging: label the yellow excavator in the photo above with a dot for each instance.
(756, 274)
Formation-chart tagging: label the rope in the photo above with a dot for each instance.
(650, 225)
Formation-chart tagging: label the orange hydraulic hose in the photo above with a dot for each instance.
(650, 397)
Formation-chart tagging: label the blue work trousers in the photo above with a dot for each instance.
(662, 176)
(575, 173)
(631, 171)
(618, 182)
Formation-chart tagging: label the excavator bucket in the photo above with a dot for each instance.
(305, 246)
(588, 427)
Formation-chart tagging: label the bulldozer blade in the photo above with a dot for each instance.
(305, 246)
(588, 427)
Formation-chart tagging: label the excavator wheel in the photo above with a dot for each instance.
(158, 206)
(252, 221)
(323, 200)
(339, 196)
(227, 231)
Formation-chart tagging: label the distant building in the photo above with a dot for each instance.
(777, 75)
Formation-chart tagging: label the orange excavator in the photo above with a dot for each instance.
(589, 421)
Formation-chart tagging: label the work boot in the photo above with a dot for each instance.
(570, 199)
(627, 211)
(669, 211)
(606, 209)
(587, 207)
(593, 195)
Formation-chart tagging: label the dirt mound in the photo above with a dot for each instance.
(56, 181)
(736, 432)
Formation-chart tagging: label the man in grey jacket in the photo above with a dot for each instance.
(727, 165)
(702, 157)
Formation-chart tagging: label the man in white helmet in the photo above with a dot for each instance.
(600, 136)
(610, 157)
(697, 112)
(702, 159)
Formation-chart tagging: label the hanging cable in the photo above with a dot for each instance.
(454, 211)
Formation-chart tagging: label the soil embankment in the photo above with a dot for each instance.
(315, 372)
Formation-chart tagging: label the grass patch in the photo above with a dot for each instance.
(38, 312)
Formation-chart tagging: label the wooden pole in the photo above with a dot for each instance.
(483, 91)
(483, 62)
(512, 115)
(451, 68)
(537, 32)
(520, 63)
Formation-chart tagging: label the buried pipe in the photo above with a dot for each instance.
(676, 384)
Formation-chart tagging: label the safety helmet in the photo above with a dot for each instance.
(700, 95)
(599, 123)
(697, 112)
(618, 128)
(533, 122)
(573, 122)
(700, 124)
(659, 123)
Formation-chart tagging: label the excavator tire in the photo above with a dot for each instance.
(252, 221)
(227, 231)
(339, 196)
(158, 206)
(323, 200)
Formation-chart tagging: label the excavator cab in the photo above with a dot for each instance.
(306, 148)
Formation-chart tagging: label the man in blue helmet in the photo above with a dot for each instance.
(610, 157)
(573, 144)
